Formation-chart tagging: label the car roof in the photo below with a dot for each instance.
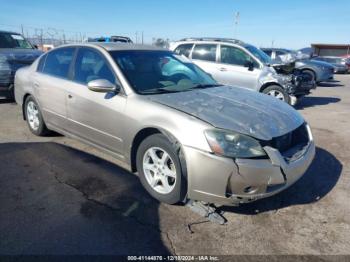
(212, 40)
(276, 49)
(111, 46)
(330, 56)
(9, 32)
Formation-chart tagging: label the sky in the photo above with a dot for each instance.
(289, 24)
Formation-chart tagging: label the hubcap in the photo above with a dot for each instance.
(277, 94)
(159, 170)
(33, 115)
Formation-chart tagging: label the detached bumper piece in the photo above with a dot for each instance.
(207, 211)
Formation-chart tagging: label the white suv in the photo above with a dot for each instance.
(233, 62)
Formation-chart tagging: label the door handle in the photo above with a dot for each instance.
(36, 85)
(70, 96)
(222, 69)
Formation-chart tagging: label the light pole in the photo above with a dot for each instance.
(236, 21)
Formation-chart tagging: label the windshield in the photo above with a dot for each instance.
(153, 72)
(8, 40)
(262, 56)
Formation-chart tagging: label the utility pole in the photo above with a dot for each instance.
(142, 38)
(136, 38)
(236, 21)
(22, 29)
(41, 37)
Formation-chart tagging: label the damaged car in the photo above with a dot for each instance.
(187, 137)
(319, 71)
(15, 52)
(233, 62)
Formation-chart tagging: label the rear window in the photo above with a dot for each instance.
(205, 52)
(184, 49)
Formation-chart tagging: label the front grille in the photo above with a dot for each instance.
(297, 139)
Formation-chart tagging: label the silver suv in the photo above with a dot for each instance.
(236, 63)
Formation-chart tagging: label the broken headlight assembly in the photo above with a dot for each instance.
(232, 144)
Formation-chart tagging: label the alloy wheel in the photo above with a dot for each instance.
(159, 170)
(277, 94)
(33, 115)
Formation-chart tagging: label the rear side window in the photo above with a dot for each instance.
(278, 53)
(41, 63)
(205, 52)
(184, 49)
(58, 61)
(268, 52)
(91, 65)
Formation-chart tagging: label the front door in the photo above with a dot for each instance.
(233, 68)
(93, 116)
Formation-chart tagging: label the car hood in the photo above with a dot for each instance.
(20, 55)
(237, 109)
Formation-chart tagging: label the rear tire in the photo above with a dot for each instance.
(11, 95)
(160, 170)
(34, 117)
(277, 92)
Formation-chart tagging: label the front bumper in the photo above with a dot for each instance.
(225, 181)
(325, 75)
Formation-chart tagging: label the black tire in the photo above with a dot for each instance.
(42, 129)
(279, 89)
(179, 191)
(11, 95)
(310, 73)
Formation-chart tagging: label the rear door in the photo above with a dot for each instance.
(232, 68)
(205, 56)
(50, 82)
(93, 116)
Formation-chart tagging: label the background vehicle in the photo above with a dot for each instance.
(341, 65)
(169, 120)
(15, 52)
(115, 39)
(236, 63)
(317, 70)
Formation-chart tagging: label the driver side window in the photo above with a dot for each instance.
(234, 56)
(91, 65)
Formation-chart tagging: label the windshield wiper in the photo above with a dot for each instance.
(205, 86)
(160, 90)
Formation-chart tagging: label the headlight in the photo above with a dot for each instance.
(231, 144)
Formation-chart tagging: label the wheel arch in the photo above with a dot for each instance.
(266, 85)
(309, 69)
(148, 131)
(26, 95)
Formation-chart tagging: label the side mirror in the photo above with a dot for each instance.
(249, 65)
(103, 86)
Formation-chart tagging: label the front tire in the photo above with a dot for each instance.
(277, 92)
(34, 117)
(160, 170)
(311, 74)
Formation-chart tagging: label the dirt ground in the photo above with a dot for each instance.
(58, 196)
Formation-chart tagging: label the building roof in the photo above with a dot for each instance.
(334, 46)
